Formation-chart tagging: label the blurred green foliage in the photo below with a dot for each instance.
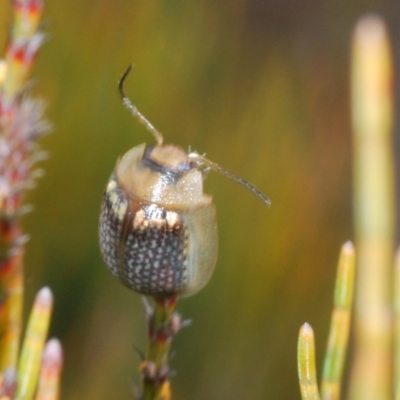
(262, 87)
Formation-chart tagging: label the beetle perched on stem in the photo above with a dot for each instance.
(158, 234)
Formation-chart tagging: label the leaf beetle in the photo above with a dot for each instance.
(158, 231)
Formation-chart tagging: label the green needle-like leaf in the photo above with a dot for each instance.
(306, 364)
(35, 337)
(340, 325)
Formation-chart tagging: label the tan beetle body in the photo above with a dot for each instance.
(158, 232)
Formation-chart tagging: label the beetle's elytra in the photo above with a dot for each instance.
(157, 229)
(158, 232)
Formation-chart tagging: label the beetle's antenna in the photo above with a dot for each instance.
(135, 112)
(201, 160)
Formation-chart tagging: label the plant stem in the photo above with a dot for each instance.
(163, 325)
(374, 209)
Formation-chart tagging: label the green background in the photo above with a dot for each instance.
(261, 87)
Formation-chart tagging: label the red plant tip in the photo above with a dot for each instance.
(44, 297)
(18, 54)
(32, 6)
(53, 354)
(24, 52)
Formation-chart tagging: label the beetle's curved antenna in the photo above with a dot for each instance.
(201, 160)
(135, 112)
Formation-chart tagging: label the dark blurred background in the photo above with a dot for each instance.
(262, 87)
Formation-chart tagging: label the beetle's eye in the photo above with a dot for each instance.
(184, 167)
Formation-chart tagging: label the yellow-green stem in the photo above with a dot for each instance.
(340, 326)
(372, 109)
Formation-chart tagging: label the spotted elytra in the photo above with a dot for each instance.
(158, 232)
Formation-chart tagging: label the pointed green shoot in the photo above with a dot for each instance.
(306, 364)
(340, 326)
(35, 337)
